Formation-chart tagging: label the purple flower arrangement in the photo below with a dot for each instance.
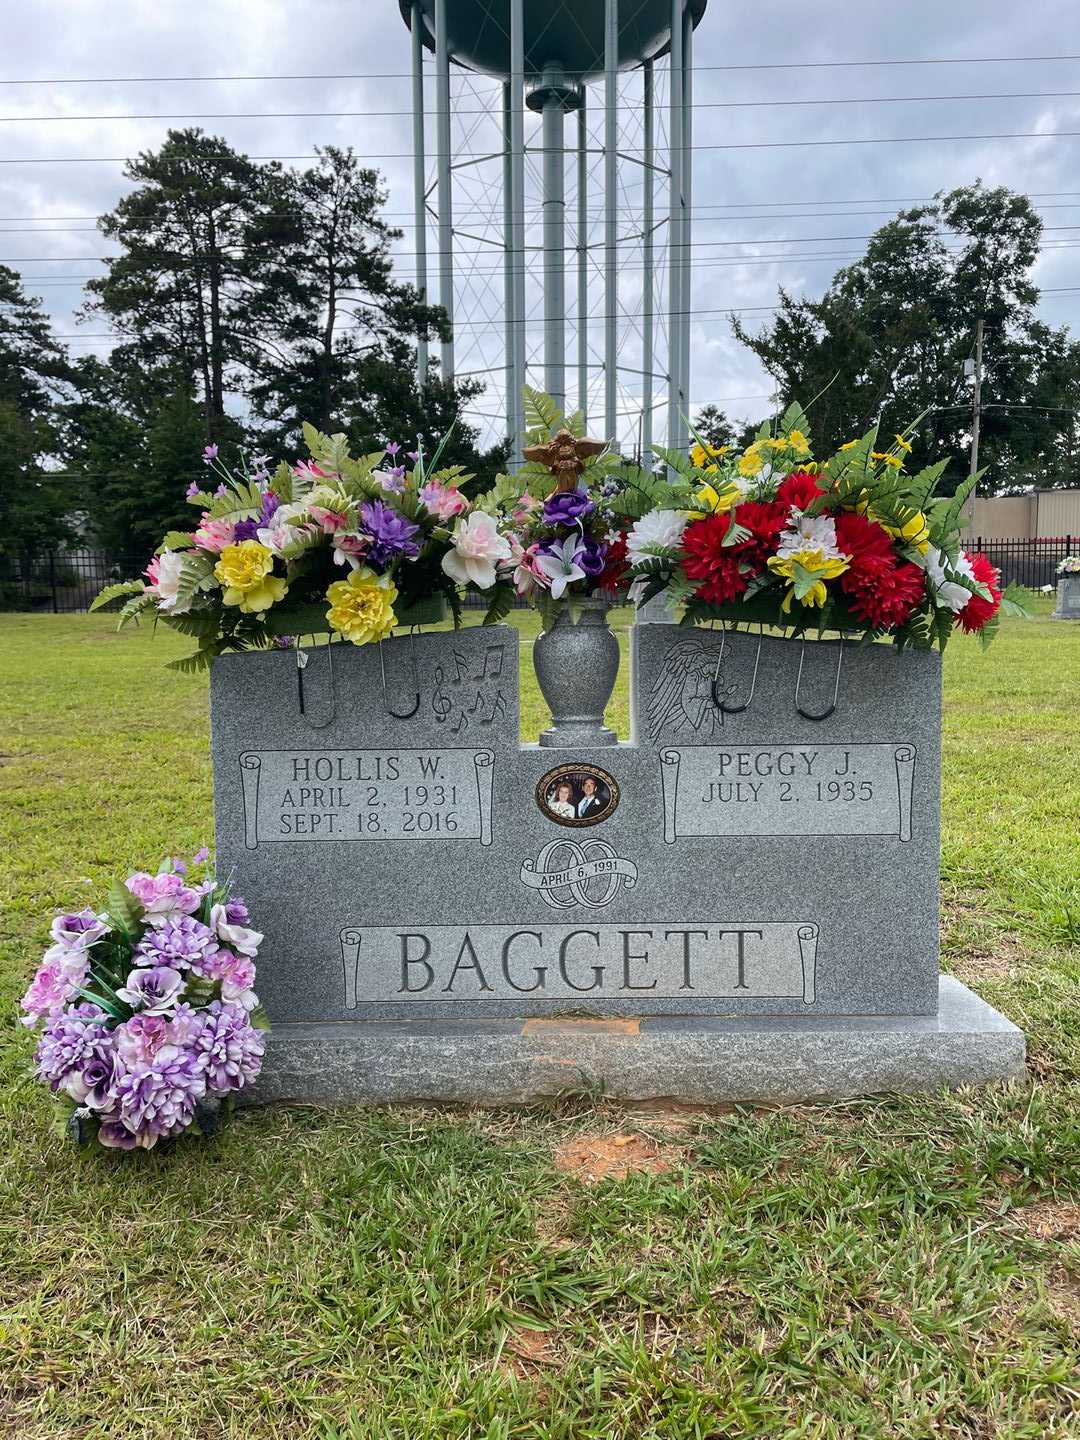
(150, 1021)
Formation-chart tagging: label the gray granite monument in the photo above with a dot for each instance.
(1068, 598)
(741, 903)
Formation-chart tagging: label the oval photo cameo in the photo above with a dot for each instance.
(577, 794)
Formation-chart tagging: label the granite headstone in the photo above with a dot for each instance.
(409, 859)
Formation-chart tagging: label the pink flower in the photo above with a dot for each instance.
(308, 470)
(214, 535)
(350, 549)
(529, 576)
(153, 572)
(331, 521)
(51, 988)
(444, 501)
(139, 1039)
(238, 980)
(478, 549)
(163, 897)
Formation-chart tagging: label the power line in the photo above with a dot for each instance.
(697, 210)
(407, 74)
(568, 250)
(625, 150)
(407, 114)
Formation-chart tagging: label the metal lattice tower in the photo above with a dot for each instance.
(601, 322)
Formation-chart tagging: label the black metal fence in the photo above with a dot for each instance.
(65, 582)
(1029, 562)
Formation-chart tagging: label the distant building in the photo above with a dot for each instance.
(1040, 514)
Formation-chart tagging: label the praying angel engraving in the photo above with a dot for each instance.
(681, 696)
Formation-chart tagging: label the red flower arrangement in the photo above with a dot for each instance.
(978, 611)
(712, 563)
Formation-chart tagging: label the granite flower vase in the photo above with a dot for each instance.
(576, 662)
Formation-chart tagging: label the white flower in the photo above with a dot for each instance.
(244, 942)
(478, 547)
(806, 532)
(658, 530)
(947, 594)
(170, 568)
(279, 534)
(560, 565)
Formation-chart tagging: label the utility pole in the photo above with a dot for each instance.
(976, 397)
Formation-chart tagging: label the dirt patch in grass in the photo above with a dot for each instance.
(529, 1355)
(975, 947)
(592, 1158)
(1050, 1219)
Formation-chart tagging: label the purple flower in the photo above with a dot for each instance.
(236, 912)
(413, 455)
(591, 556)
(221, 490)
(390, 533)
(179, 943)
(159, 1099)
(210, 453)
(139, 1039)
(77, 932)
(163, 897)
(231, 1046)
(201, 855)
(393, 448)
(96, 1082)
(245, 530)
(179, 868)
(192, 490)
(393, 482)
(270, 505)
(567, 507)
(283, 642)
(154, 991)
(68, 1042)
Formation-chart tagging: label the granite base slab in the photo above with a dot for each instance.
(703, 1059)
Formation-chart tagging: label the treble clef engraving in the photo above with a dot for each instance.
(441, 703)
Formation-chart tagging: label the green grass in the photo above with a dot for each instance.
(884, 1268)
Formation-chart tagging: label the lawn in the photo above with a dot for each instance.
(883, 1268)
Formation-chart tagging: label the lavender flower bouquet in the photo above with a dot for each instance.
(151, 1024)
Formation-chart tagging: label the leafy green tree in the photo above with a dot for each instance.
(37, 501)
(173, 292)
(714, 427)
(889, 338)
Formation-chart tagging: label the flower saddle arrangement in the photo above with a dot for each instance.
(563, 548)
(150, 1022)
(852, 544)
(347, 546)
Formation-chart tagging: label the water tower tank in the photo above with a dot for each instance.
(564, 33)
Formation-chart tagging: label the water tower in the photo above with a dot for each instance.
(631, 333)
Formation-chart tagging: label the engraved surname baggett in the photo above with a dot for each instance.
(661, 959)
(797, 789)
(343, 795)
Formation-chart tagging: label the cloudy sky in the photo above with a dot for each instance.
(765, 206)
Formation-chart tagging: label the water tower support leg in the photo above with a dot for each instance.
(687, 176)
(611, 233)
(647, 266)
(419, 179)
(675, 229)
(517, 219)
(554, 254)
(583, 258)
(443, 181)
(509, 328)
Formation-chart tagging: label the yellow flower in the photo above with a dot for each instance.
(716, 501)
(244, 572)
(850, 445)
(362, 607)
(893, 461)
(904, 446)
(913, 531)
(824, 567)
(798, 442)
(750, 462)
(779, 443)
(700, 453)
